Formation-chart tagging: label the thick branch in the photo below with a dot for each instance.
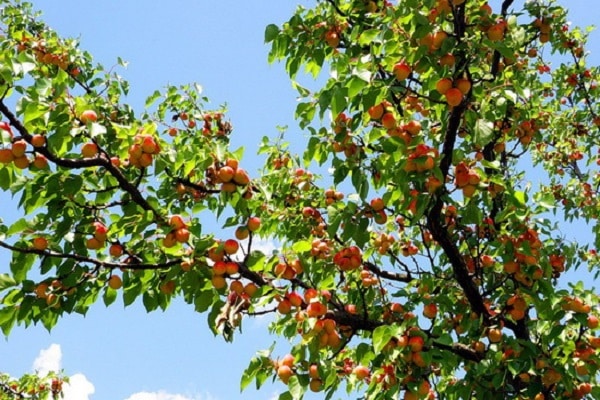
(461, 350)
(357, 322)
(459, 267)
(497, 55)
(393, 276)
(89, 260)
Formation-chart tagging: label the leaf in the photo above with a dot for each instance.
(368, 36)
(381, 337)
(18, 227)
(150, 301)
(7, 319)
(520, 197)
(355, 85)
(297, 387)
(203, 301)
(20, 265)
(250, 373)
(339, 101)
(484, 132)
(6, 281)
(110, 295)
(271, 32)
(301, 246)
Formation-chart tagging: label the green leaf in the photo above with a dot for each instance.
(18, 227)
(8, 317)
(301, 246)
(484, 132)
(271, 32)
(368, 36)
(520, 198)
(20, 265)
(250, 373)
(110, 295)
(203, 301)
(355, 85)
(6, 281)
(286, 396)
(297, 387)
(381, 337)
(150, 301)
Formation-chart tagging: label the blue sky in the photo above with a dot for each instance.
(124, 353)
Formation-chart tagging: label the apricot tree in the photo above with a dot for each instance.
(422, 235)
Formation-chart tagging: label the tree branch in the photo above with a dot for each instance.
(124, 184)
(461, 350)
(89, 260)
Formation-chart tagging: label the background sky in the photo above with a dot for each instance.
(126, 354)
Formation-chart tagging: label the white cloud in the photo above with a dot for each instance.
(266, 246)
(50, 359)
(78, 388)
(162, 395)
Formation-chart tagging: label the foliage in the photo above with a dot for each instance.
(434, 262)
(31, 386)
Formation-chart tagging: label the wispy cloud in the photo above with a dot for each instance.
(78, 388)
(50, 359)
(162, 395)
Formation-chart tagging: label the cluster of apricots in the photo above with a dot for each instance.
(367, 278)
(453, 90)
(545, 29)
(421, 159)
(252, 225)
(302, 179)
(376, 210)
(17, 153)
(316, 302)
(434, 41)
(345, 144)
(288, 269)
(98, 240)
(526, 131)
(31, 390)
(221, 270)
(326, 332)
(228, 174)
(384, 114)
(383, 241)
(576, 305)
(320, 248)
(348, 258)
(525, 267)
(143, 149)
(52, 291)
(48, 56)
(213, 122)
(220, 256)
(516, 307)
(466, 178)
(179, 232)
(289, 300)
(331, 196)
